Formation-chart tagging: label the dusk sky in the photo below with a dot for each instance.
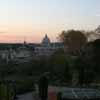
(32, 19)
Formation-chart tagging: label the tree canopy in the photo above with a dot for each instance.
(73, 40)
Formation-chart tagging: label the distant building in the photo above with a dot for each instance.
(46, 47)
(17, 52)
(25, 51)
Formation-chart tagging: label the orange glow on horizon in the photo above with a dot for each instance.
(29, 38)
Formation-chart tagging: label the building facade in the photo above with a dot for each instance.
(46, 47)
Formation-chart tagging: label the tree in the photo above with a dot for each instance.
(96, 57)
(58, 65)
(89, 63)
(73, 40)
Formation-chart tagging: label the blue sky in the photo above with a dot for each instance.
(34, 18)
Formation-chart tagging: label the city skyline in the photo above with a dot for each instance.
(32, 19)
